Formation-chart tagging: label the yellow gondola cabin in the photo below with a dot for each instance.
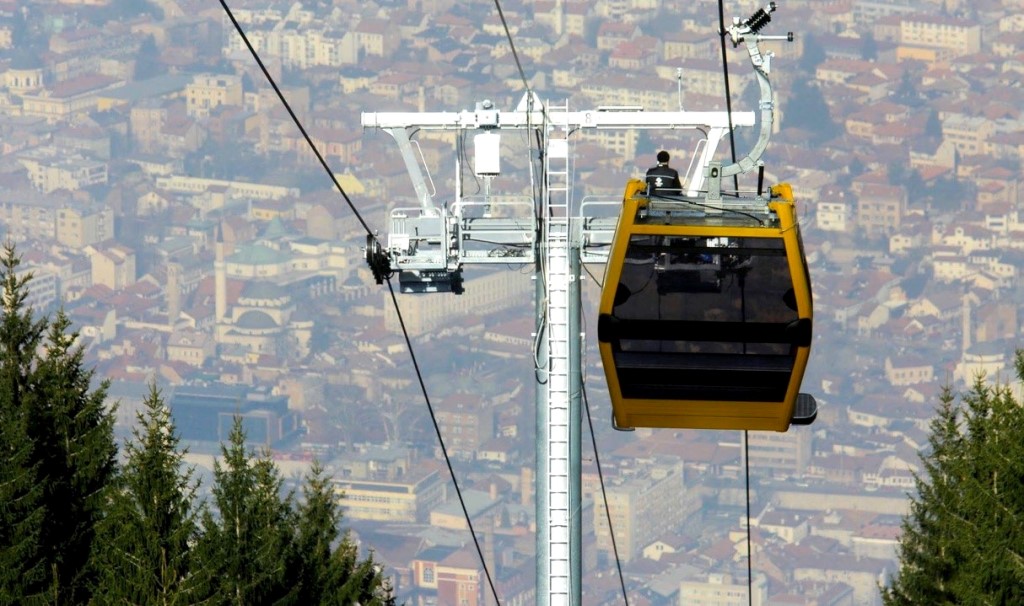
(705, 318)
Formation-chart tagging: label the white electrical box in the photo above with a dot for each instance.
(487, 150)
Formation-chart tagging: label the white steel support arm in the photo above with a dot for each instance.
(401, 136)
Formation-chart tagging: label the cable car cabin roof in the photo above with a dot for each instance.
(705, 317)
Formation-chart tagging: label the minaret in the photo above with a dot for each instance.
(173, 294)
(220, 278)
(966, 323)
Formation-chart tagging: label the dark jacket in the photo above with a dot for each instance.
(663, 177)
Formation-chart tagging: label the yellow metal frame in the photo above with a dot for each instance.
(707, 414)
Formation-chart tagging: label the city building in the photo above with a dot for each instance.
(908, 369)
(784, 454)
(113, 265)
(82, 225)
(191, 347)
(209, 91)
(50, 169)
(409, 498)
(642, 507)
(492, 291)
(68, 98)
(468, 421)
(448, 575)
(207, 412)
(722, 590)
(958, 36)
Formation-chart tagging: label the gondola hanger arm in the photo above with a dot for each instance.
(746, 32)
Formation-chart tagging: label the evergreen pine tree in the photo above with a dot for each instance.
(808, 110)
(73, 437)
(147, 536)
(23, 569)
(992, 509)
(329, 574)
(813, 55)
(906, 91)
(147, 60)
(927, 554)
(247, 543)
(933, 126)
(74, 531)
(365, 585)
(318, 518)
(868, 47)
(963, 539)
(58, 440)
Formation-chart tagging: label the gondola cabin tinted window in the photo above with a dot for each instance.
(704, 318)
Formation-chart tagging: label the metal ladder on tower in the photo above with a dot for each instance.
(557, 276)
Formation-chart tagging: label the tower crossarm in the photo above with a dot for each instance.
(428, 244)
(601, 117)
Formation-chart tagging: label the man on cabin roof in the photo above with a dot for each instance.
(663, 177)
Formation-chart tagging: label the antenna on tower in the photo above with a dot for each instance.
(679, 86)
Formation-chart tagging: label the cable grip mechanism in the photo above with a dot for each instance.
(761, 18)
(752, 26)
(377, 259)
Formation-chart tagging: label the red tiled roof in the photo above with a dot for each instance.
(81, 85)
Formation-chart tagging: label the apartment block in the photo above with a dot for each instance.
(782, 453)
(959, 36)
(43, 288)
(235, 189)
(28, 214)
(50, 170)
(722, 590)
(467, 422)
(834, 216)
(113, 265)
(969, 134)
(25, 74)
(908, 370)
(460, 580)
(643, 507)
(448, 575)
(407, 499)
(375, 38)
(84, 225)
(881, 208)
(145, 121)
(867, 12)
(208, 91)
(309, 47)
